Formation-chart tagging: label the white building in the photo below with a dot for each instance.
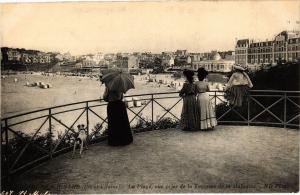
(167, 61)
(215, 64)
(98, 57)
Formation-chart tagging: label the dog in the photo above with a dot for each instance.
(80, 138)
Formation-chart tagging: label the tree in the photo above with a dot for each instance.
(157, 66)
(181, 62)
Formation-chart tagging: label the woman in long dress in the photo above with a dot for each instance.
(238, 86)
(119, 131)
(189, 109)
(207, 117)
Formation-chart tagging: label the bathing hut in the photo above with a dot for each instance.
(137, 102)
(128, 102)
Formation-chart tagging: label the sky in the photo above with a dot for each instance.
(89, 27)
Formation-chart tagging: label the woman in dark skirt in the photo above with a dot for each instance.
(189, 112)
(119, 131)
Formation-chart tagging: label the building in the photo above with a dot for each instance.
(26, 59)
(22, 59)
(127, 63)
(98, 57)
(44, 58)
(180, 53)
(59, 57)
(89, 61)
(68, 57)
(214, 62)
(241, 52)
(13, 55)
(259, 54)
(293, 51)
(167, 60)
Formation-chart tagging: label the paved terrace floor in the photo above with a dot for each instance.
(228, 159)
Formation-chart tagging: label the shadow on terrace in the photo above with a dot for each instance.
(254, 149)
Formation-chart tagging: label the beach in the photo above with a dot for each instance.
(18, 98)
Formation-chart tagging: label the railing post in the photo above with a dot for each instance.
(50, 132)
(284, 111)
(6, 151)
(6, 135)
(87, 122)
(248, 110)
(152, 112)
(215, 99)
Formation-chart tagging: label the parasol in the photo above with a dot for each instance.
(118, 80)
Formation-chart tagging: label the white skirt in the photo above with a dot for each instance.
(207, 118)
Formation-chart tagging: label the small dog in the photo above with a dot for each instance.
(80, 138)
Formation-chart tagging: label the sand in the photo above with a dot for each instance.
(17, 98)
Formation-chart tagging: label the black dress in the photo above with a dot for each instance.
(119, 132)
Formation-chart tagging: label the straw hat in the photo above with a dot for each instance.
(239, 67)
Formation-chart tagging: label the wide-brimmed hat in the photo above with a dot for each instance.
(238, 67)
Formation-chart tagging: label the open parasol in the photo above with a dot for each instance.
(118, 80)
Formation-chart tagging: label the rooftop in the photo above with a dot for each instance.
(227, 159)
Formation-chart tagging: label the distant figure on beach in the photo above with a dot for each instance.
(206, 118)
(238, 86)
(189, 109)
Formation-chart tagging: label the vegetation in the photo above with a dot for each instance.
(283, 77)
(146, 125)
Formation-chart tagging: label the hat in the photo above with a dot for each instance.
(188, 72)
(239, 67)
(202, 71)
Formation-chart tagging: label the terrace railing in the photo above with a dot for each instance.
(30, 138)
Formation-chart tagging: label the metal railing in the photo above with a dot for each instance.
(21, 149)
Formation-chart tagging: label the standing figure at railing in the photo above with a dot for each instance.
(207, 117)
(189, 109)
(117, 83)
(238, 86)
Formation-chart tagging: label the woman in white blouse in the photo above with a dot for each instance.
(238, 86)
